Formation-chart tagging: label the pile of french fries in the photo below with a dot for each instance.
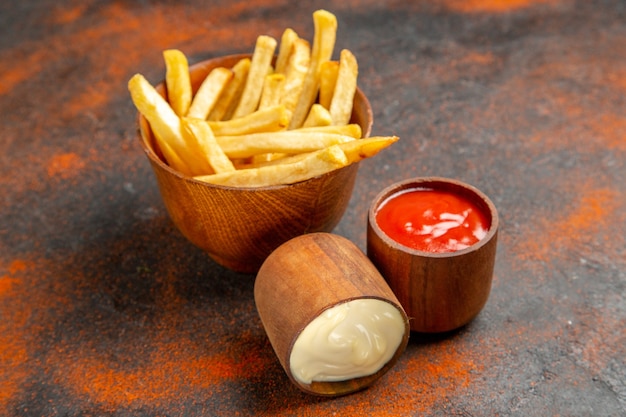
(262, 122)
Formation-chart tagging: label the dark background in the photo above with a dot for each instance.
(106, 310)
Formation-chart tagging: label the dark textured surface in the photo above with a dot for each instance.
(106, 310)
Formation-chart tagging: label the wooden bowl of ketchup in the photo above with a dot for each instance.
(434, 241)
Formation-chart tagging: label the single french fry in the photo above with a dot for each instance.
(318, 116)
(286, 42)
(272, 90)
(323, 45)
(351, 129)
(270, 119)
(318, 163)
(358, 150)
(208, 93)
(355, 150)
(328, 80)
(343, 97)
(285, 141)
(166, 126)
(172, 158)
(259, 68)
(295, 73)
(229, 98)
(177, 81)
(260, 158)
(199, 132)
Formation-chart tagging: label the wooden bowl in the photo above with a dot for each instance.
(304, 278)
(240, 227)
(439, 291)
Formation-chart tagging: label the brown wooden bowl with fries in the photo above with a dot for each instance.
(237, 226)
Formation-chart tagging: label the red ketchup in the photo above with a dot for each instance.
(432, 220)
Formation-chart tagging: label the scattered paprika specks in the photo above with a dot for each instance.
(443, 368)
(168, 372)
(16, 266)
(65, 165)
(491, 6)
(13, 344)
(13, 76)
(65, 15)
(573, 225)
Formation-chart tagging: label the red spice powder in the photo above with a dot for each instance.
(419, 384)
(491, 6)
(172, 370)
(433, 376)
(13, 75)
(611, 130)
(65, 165)
(64, 14)
(588, 217)
(13, 345)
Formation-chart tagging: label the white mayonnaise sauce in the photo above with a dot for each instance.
(350, 340)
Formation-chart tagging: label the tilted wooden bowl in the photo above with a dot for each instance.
(240, 227)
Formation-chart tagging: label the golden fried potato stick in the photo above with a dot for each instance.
(284, 51)
(229, 98)
(343, 97)
(270, 119)
(355, 151)
(272, 90)
(328, 80)
(199, 132)
(172, 159)
(323, 45)
(285, 141)
(263, 157)
(318, 116)
(352, 129)
(177, 81)
(317, 163)
(166, 127)
(358, 150)
(208, 93)
(295, 73)
(260, 66)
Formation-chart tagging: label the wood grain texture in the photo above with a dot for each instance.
(439, 291)
(303, 278)
(239, 227)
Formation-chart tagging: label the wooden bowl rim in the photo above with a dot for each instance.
(433, 182)
(145, 134)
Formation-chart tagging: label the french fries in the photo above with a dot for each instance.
(323, 45)
(177, 81)
(272, 89)
(355, 151)
(264, 121)
(289, 142)
(229, 98)
(328, 79)
(286, 43)
(317, 163)
(208, 93)
(295, 72)
(318, 116)
(167, 129)
(270, 119)
(345, 87)
(200, 132)
(259, 68)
